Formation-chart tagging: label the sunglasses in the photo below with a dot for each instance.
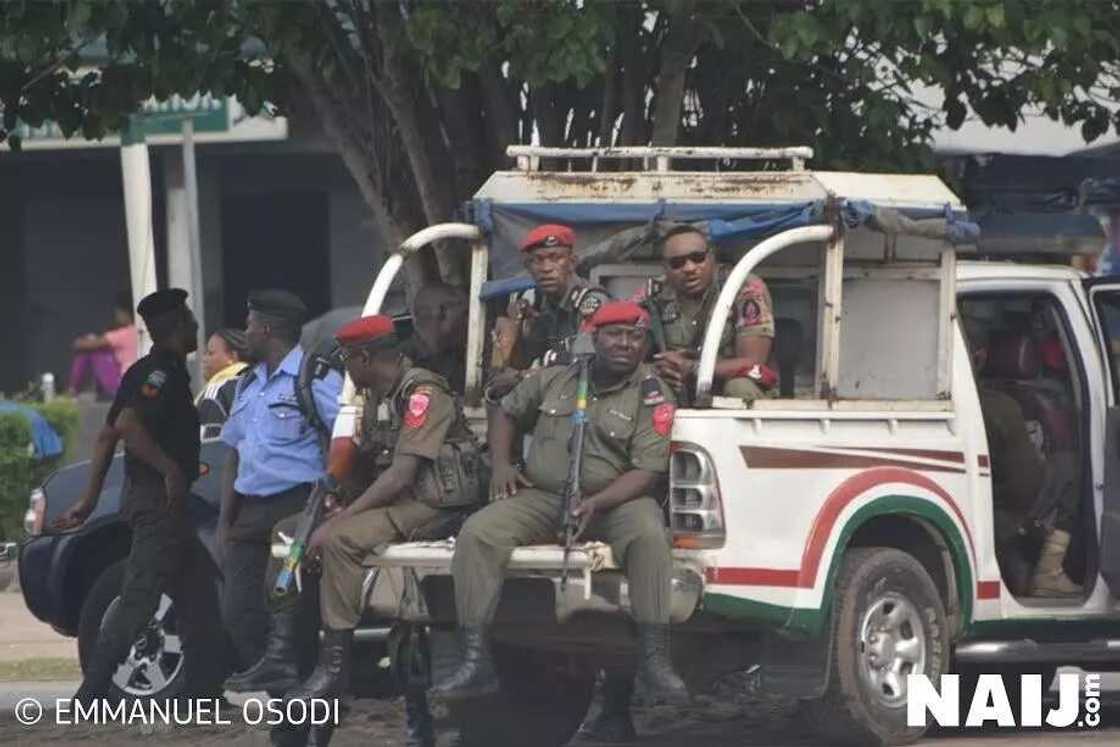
(696, 258)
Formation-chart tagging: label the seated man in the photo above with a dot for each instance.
(406, 497)
(439, 341)
(626, 453)
(541, 322)
(682, 303)
(1018, 474)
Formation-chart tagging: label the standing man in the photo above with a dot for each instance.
(626, 453)
(683, 301)
(542, 322)
(154, 415)
(277, 457)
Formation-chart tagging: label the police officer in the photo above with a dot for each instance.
(439, 340)
(423, 484)
(277, 456)
(683, 301)
(1019, 473)
(629, 416)
(155, 416)
(541, 322)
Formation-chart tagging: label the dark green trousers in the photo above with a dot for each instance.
(635, 531)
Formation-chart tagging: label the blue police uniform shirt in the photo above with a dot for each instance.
(277, 446)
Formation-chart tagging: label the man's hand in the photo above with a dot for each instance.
(676, 367)
(73, 517)
(585, 511)
(505, 480)
(175, 484)
(331, 506)
(317, 540)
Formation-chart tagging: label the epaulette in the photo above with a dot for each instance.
(651, 391)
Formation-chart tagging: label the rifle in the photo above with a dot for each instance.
(656, 326)
(312, 514)
(573, 485)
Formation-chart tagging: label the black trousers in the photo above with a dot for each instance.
(165, 556)
(245, 565)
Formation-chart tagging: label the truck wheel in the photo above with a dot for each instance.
(154, 665)
(543, 699)
(888, 621)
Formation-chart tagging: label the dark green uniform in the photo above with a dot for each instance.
(1017, 467)
(627, 428)
(166, 555)
(685, 321)
(424, 415)
(545, 340)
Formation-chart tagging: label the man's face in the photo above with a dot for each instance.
(552, 268)
(690, 268)
(375, 370)
(257, 334)
(621, 347)
(441, 324)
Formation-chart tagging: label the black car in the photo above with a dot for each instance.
(72, 580)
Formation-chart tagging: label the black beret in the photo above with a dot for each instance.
(279, 303)
(160, 302)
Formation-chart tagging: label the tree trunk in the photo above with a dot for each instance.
(679, 47)
(353, 146)
(501, 115)
(633, 76)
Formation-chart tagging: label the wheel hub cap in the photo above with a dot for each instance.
(892, 643)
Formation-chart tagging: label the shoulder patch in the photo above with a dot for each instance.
(651, 391)
(416, 413)
(663, 419)
(153, 383)
(590, 304)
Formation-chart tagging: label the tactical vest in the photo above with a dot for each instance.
(680, 333)
(546, 340)
(458, 477)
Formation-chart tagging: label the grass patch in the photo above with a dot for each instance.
(40, 668)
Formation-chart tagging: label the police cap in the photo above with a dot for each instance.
(626, 313)
(161, 302)
(278, 303)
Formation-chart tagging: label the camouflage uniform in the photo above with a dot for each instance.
(628, 428)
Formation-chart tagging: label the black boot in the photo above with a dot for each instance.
(331, 678)
(655, 667)
(613, 723)
(419, 730)
(276, 672)
(475, 677)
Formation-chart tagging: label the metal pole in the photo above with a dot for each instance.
(197, 290)
(136, 177)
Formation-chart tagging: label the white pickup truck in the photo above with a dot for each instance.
(838, 537)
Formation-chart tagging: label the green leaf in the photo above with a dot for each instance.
(974, 17)
(997, 17)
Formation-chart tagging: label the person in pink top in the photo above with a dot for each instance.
(105, 356)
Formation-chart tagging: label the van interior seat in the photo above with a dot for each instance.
(1014, 367)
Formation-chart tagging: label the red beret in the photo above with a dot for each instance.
(619, 312)
(548, 235)
(365, 330)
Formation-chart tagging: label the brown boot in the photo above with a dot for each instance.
(1050, 579)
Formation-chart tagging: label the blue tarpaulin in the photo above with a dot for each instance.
(44, 439)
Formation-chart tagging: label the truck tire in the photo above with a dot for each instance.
(888, 620)
(544, 698)
(154, 666)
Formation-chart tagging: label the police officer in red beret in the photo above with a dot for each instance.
(541, 322)
(626, 454)
(435, 474)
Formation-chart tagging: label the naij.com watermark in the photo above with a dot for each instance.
(1079, 701)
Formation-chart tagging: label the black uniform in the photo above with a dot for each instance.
(166, 555)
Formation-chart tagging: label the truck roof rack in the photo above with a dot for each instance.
(661, 158)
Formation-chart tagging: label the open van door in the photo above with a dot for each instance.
(1104, 298)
